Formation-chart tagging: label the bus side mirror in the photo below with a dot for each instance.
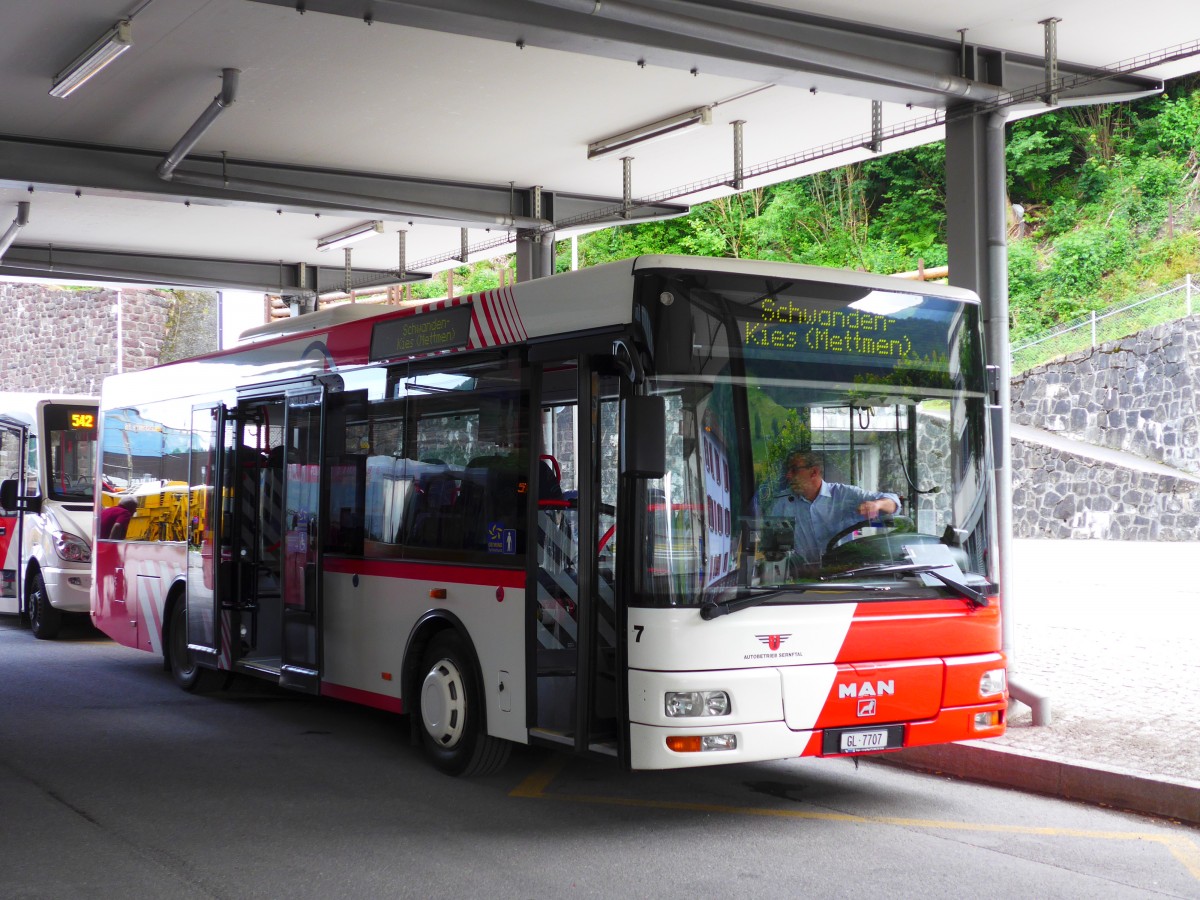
(11, 500)
(996, 415)
(644, 437)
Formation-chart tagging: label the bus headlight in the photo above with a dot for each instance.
(992, 682)
(697, 703)
(72, 548)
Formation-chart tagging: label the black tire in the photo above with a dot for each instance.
(450, 711)
(44, 619)
(188, 674)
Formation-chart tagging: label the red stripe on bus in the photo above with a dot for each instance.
(489, 311)
(515, 311)
(504, 315)
(480, 339)
(497, 338)
(388, 568)
(365, 698)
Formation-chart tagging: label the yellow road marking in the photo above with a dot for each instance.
(1185, 850)
(535, 784)
(534, 787)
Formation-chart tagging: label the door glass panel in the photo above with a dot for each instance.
(557, 611)
(604, 681)
(257, 540)
(300, 661)
(202, 526)
(303, 480)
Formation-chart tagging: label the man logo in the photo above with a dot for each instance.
(866, 707)
(773, 641)
(867, 689)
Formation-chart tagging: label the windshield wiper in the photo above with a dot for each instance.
(750, 596)
(974, 596)
(887, 569)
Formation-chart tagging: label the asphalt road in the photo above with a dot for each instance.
(114, 783)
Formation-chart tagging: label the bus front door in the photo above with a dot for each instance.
(301, 663)
(574, 613)
(276, 474)
(204, 539)
(12, 468)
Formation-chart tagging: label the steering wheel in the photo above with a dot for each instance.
(894, 523)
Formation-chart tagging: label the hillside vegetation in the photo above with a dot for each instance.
(1110, 197)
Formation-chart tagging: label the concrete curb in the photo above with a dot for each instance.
(1104, 786)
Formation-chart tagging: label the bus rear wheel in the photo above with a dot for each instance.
(451, 712)
(44, 619)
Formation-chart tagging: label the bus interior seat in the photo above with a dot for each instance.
(431, 511)
(550, 493)
(490, 495)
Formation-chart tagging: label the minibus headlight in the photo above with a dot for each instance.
(992, 682)
(72, 548)
(697, 703)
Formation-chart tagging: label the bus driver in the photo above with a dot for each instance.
(821, 509)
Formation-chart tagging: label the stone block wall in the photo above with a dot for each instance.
(1131, 408)
(64, 340)
(1140, 394)
(1057, 494)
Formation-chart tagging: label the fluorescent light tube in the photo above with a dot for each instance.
(349, 235)
(654, 131)
(886, 303)
(114, 42)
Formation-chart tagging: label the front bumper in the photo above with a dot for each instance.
(69, 590)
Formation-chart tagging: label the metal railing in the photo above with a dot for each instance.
(1089, 331)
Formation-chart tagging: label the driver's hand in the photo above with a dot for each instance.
(870, 509)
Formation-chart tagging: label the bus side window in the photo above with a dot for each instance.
(492, 505)
(429, 511)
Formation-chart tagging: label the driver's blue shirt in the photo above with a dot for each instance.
(835, 507)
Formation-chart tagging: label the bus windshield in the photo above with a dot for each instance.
(69, 448)
(815, 432)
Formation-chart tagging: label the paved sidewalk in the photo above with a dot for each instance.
(1109, 632)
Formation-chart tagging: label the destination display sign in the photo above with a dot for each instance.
(444, 329)
(787, 326)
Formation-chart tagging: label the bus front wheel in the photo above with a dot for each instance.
(188, 674)
(451, 711)
(44, 619)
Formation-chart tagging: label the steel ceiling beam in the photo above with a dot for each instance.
(173, 271)
(131, 173)
(735, 39)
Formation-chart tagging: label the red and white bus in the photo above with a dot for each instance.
(454, 511)
(47, 467)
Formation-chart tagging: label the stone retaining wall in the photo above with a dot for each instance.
(64, 340)
(1139, 395)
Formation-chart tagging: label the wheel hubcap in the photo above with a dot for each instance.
(444, 704)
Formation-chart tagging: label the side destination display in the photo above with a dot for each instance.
(424, 333)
